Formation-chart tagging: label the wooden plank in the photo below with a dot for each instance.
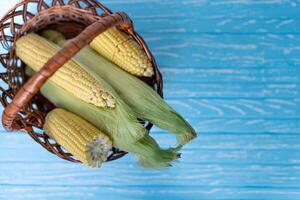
(114, 193)
(231, 90)
(212, 17)
(261, 9)
(236, 108)
(225, 50)
(204, 175)
(199, 25)
(233, 75)
(231, 163)
(240, 126)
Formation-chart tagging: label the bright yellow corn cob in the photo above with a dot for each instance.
(83, 140)
(123, 51)
(71, 77)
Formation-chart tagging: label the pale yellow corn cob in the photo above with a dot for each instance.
(36, 51)
(123, 51)
(77, 136)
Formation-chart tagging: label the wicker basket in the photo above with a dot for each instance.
(82, 20)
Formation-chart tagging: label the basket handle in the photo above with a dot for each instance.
(33, 85)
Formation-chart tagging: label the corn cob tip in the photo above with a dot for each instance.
(108, 100)
(97, 151)
(79, 137)
(148, 72)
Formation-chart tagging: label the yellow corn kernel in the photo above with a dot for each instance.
(77, 136)
(35, 51)
(123, 51)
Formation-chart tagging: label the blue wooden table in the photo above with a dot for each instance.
(232, 68)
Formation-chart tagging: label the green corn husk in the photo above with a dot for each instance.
(120, 123)
(115, 124)
(148, 105)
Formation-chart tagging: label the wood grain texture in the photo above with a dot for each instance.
(225, 50)
(232, 69)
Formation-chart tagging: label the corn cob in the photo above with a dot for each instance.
(148, 152)
(123, 51)
(79, 137)
(120, 123)
(71, 76)
(143, 100)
